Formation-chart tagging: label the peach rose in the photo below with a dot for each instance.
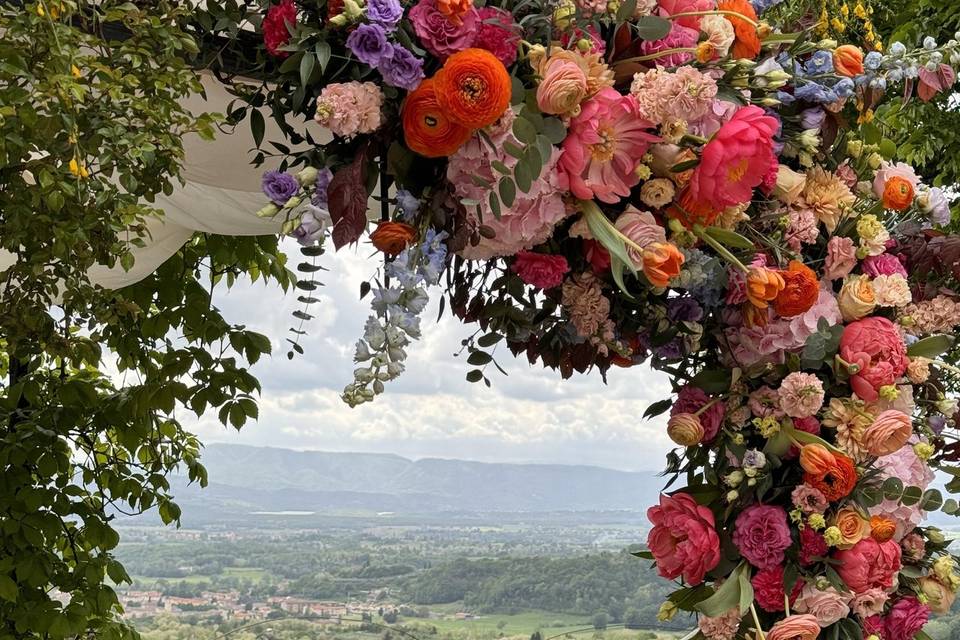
(685, 429)
(857, 298)
(661, 262)
(848, 60)
(816, 459)
(853, 527)
(790, 185)
(657, 193)
(796, 627)
(888, 433)
(563, 88)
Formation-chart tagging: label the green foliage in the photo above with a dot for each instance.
(90, 133)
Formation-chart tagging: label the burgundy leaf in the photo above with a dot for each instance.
(347, 201)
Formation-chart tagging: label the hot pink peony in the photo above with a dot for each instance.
(683, 540)
(736, 160)
(869, 564)
(604, 145)
(768, 589)
(690, 400)
(875, 345)
(541, 269)
(906, 617)
(883, 265)
(762, 534)
(497, 33)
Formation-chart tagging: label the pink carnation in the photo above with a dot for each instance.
(765, 402)
(604, 145)
(440, 35)
(684, 539)
(690, 400)
(869, 564)
(540, 269)
(802, 228)
(875, 345)
(276, 27)
(883, 265)
(801, 394)
(497, 33)
(350, 108)
(762, 534)
(906, 617)
(680, 37)
(768, 589)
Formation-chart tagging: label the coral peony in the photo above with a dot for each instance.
(747, 42)
(888, 433)
(604, 145)
(392, 237)
(762, 534)
(473, 88)
(736, 160)
(800, 290)
(441, 36)
(874, 345)
(661, 263)
(540, 269)
(802, 626)
(276, 27)
(869, 565)
(426, 128)
(683, 540)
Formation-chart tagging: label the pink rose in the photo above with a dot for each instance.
(762, 535)
(875, 345)
(680, 37)
(841, 258)
(642, 229)
(913, 546)
(440, 35)
(690, 400)
(827, 606)
(896, 169)
(768, 589)
(906, 617)
(684, 539)
(869, 564)
(497, 33)
(540, 269)
(888, 433)
(883, 265)
(801, 626)
(869, 603)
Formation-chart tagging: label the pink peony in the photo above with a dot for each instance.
(683, 540)
(736, 160)
(913, 472)
(440, 35)
(540, 269)
(768, 589)
(883, 265)
(875, 345)
(889, 170)
(672, 7)
(906, 617)
(801, 394)
(762, 534)
(276, 27)
(604, 145)
(690, 400)
(680, 37)
(826, 605)
(841, 258)
(812, 546)
(869, 564)
(869, 603)
(497, 33)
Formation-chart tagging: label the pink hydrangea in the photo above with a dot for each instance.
(541, 269)
(440, 35)
(801, 394)
(691, 399)
(497, 33)
(680, 37)
(350, 108)
(533, 215)
(762, 534)
(913, 472)
(683, 539)
(604, 145)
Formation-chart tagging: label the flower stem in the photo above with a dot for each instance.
(701, 233)
(756, 621)
(658, 54)
(706, 406)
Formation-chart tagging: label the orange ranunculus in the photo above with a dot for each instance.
(747, 42)
(392, 237)
(690, 212)
(848, 60)
(473, 88)
(882, 528)
(836, 482)
(815, 458)
(763, 286)
(454, 9)
(426, 128)
(898, 193)
(661, 262)
(800, 290)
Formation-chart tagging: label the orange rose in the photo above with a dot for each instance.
(426, 128)
(815, 458)
(853, 527)
(763, 285)
(800, 291)
(473, 88)
(898, 193)
(746, 42)
(848, 60)
(882, 528)
(837, 481)
(392, 237)
(661, 262)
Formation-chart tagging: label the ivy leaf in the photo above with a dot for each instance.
(347, 201)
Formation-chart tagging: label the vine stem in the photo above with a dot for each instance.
(659, 54)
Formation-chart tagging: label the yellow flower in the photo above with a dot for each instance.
(75, 71)
(667, 611)
(768, 426)
(889, 392)
(832, 536)
(816, 521)
(923, 450)
(78, 169)
(869, 227)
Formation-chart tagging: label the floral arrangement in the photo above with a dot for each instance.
(685, 184)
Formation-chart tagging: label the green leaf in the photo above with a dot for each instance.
(601, 229)
(652, 28)
(930, 347)
(658, 408)
(474, 375)
(524, 130)
(712, 381)
(729, 238)
(306, 68)
(870, 133)
(8, 589)
(931, 500)
(892, 488)
(646, 555)
(746, 591)
(554, 130)
(323, 55)
(479, 358)
(257, 126)
(725, 598)
(508, 191)
(617, 267)
(626, 10)
(489, 339)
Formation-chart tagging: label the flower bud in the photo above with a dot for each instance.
(685, 429)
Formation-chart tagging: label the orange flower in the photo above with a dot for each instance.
(853, 527)
(454, 9)
(763, 285)
(690, 212)
(848, 60)
(815, 458)
(882, 528)
(800, 291)
(392, 237)
(473, 88)
(746, 43)
(661, 262)
(836, 482)
(898, 193)
(426, 127)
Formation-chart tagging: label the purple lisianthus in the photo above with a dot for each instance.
(385, 12)
(439, 35)
(684, 310)
(319, 199)
(401, 69)
(368, 42)
(279, 186)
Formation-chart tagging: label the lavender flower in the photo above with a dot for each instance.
(279, 186)
(368, 42)
(400, 68)
(385, 12)
(812, 118)
(408, 204)
(763, 5)
(319, 199)
(819, 63)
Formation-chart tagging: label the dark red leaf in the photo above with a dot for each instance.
(347, 201)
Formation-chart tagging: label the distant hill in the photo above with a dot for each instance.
(245, 479)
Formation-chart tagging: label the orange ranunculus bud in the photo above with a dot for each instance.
(898, 193)
(763, 285)
(392, 237)
(454, 9)
(685, 429)
(848, 60)
(800, 291)
(882, 528)
(661, 262)
(816, 459)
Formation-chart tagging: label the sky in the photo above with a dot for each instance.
(531, 415)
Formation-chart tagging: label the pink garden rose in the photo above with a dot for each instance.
(540, 269)
(883, 265)
(604, 145)
(684, 539)
(438, 33)
(906, 617)
(736, 160)
(691, 399)
(827, 605)
(868, 564)
(497, 33)
(875, 345)
(762, 534)
(680, 37)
